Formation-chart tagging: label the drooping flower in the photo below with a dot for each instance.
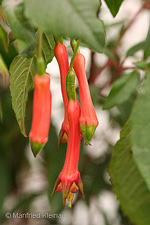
(41, 113)
(88, 119)
(69, 181)
(61, 55)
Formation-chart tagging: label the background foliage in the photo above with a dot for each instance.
(128, 161)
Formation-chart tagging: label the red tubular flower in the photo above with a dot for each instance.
(61, 55)
(88, 119)
(41, 113)
(69, 180)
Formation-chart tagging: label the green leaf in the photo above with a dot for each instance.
(29, 51)
(147, 45)
(19, 25)
(72, 18)
(125, 110)
(4, 72)
(3, 37)
(114, 6)
(8, 52)
(135, 48)
(48, 45)
(140, 136)
(21, 45)
(109, 53)
(142, 65)
(122, 89)
(22, 71)
(128, 184)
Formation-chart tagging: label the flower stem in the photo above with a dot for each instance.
(40, 60)
(70, 80)
(74, 55)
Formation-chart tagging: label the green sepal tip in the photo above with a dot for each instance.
(36, 147)
(87, 131)
(58, 39)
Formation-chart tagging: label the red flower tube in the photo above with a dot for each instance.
(69, 180)
(88, 119)
(61, 55)
(41, 113)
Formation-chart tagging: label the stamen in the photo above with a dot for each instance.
(70, 197)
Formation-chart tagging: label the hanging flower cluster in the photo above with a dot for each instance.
(79, 121)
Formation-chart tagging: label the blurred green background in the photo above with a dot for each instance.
(26, 183)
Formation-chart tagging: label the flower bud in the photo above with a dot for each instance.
(41, 113)
(88, 119)
(61, 55)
